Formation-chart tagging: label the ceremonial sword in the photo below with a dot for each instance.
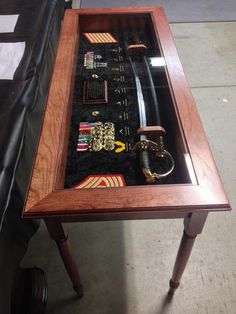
(144, 146)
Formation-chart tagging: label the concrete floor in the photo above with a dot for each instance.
(76, 4)
(126, 266)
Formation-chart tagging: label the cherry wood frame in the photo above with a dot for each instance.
(48, 199)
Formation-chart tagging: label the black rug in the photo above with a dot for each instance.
(178, 11)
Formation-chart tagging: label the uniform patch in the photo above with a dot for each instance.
(100, 38)
(102, 181)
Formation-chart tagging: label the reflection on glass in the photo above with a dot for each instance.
(190, 169)
(157, 61)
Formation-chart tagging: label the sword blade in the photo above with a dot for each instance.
(155, 104)
(141, 103)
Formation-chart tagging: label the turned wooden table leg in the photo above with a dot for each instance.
(193, 226)
(183, 254)
(57, 233)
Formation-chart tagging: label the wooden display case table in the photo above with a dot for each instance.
(196, 188)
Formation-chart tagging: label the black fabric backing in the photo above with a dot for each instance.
(82, 164)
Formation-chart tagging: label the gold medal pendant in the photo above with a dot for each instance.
(103, 136)
(97, 146)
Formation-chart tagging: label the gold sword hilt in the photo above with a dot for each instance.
(146, 146)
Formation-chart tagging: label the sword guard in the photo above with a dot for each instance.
(152, 131)
(136, 50)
